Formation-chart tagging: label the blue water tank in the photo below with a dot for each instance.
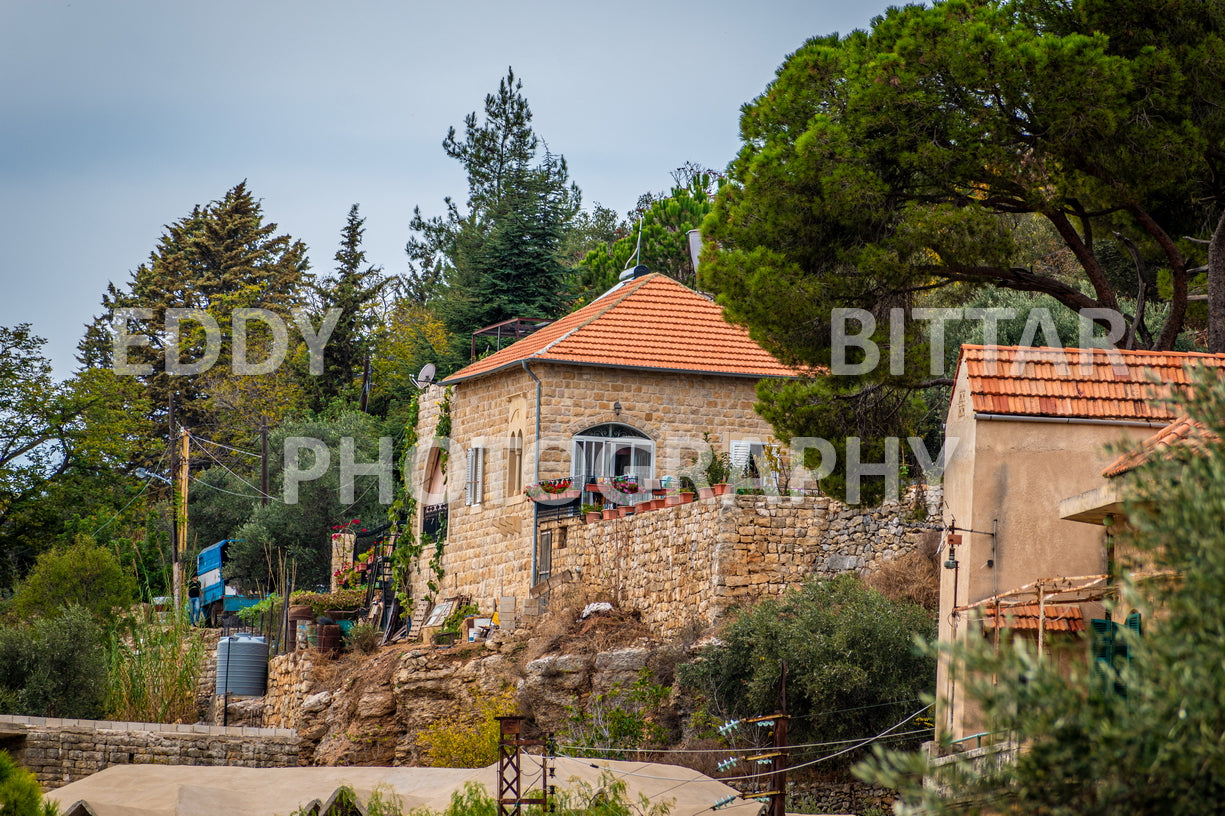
(242, 665)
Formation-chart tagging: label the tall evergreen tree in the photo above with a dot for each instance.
(355, 290)
(501, 257)
(219, 258)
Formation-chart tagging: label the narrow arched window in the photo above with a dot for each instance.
(514, 465)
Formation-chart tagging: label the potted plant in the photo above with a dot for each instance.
(610, 511)
(552, 490)
(591, 512)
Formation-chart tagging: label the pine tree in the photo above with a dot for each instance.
(355, 290)
(220, 257)
(501, 257)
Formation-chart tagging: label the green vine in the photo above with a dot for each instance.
(407, 548)
(443, 429)
(405, 558)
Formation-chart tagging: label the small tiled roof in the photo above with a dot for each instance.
(1182, 432)
(1026, 616)
(651, 322)
(1053, 382)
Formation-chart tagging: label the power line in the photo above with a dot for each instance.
(148, 479)
(227, 447)
(858, 744)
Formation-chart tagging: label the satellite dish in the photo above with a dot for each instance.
(426, 377)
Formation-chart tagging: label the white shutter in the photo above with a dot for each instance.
(741, 450)
(479, 491)
(469, 477)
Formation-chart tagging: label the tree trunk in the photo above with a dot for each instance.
(1216, 288)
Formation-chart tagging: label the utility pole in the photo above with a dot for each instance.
(263, 449)
(180, 542)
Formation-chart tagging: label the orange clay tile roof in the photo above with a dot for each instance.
(1025, 616)
(1052, 382)
(1182, 432)
(650, 322)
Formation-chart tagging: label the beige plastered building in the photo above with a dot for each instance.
(1025, 494)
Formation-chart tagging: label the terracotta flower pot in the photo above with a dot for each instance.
(624, 510)
(609, 514)
(686, 497)
(658, 502)
(642, 507)
(706, 492)
(594, 515)
(721, 488)
(672, 500)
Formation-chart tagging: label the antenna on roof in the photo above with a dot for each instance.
(638, 249)
(426, 377)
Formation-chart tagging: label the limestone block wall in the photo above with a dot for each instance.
(691, 563)
(59, 751)
(489, 546)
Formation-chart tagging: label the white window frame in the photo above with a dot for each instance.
(607, 451)
(474, 484)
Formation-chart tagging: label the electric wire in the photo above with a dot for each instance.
(227, 447)
(224, 467)
(148, 479)
(858, 744)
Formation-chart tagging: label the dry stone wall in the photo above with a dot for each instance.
(688, 564)
(59, 751)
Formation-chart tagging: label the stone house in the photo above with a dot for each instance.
(1034, 431)
(639, 382)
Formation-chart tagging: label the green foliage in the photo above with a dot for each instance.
(19, 791)
(665, 223)
(154, 666)
(889, 163)
(54, 666)
(82, 575)
(302, 530)
(364, 637)
(849, 655)
(472, 740)
(456, 618)
(220, 257)
(624, 717)
(1146, 741)
(355, 290)
(502, 257)
(320, 602)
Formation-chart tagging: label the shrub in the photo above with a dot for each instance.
(364, 637)
(849, 656)
(83, 575)
(470, 742)
(19, 792)
(626, 717)
(54, 667)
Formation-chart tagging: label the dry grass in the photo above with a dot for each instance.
(915, 577)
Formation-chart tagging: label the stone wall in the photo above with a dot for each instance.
(688, 564)
(60, 751)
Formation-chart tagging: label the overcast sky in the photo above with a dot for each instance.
(117, 117)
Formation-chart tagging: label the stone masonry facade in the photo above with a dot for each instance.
(59, 751)
(689, 564)
(489, 545)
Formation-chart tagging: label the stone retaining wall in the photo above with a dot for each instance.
(689, 564)
(59, 751)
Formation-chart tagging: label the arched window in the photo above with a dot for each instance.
(613, 450)
(514, 465)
